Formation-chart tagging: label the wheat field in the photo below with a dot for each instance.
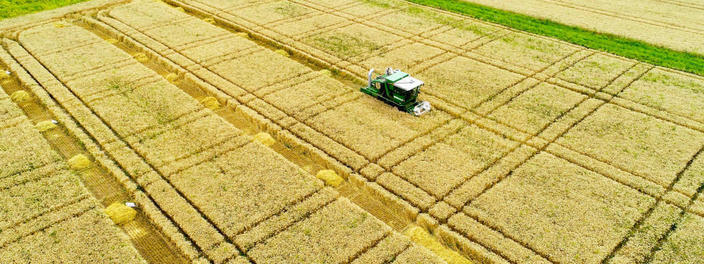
(236, 131)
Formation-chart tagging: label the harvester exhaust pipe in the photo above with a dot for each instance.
(369, 77)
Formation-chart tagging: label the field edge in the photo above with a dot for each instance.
(611, 43)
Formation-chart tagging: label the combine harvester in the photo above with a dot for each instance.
(399, 89)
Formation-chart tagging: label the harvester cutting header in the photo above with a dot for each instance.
(399, 89)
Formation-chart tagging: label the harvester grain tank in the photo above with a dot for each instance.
(399, 89)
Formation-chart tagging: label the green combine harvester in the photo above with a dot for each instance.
(399, 89)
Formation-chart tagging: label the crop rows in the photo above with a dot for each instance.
(531, 138)
(45, 209)
(195, 166)
(531, 89)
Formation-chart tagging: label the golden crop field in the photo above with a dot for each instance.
(221, 131)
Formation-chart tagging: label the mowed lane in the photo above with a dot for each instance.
(214, 183)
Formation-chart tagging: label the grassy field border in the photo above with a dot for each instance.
(622, 46)
(15, 8)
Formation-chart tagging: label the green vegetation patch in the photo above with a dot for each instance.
(13, 8)
(626, 47)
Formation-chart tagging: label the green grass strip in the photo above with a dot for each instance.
(13, 8)
(626, 47)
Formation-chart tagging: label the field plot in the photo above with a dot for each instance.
(673, 24)
(536, 150)
(523, 98)
(193, 164)
(46, 213)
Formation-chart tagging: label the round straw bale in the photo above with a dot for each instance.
(45, 125)
(141, 57)
(210, 103)
(120, 213)
(20, 97)
(79, 162)
(264, 138)
(171, 77)
(4, 74)
(283, 52)
(330, 177)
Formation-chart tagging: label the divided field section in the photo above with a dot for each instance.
(45, 208)
(529, 141)
(204, 173)
(516, 93)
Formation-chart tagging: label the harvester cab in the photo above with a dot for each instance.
(399, 89)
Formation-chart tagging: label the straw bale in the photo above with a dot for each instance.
(120, 213)
(265, 139)
(79, 162)
(330, 177)
(20, 96)
(45, 125)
